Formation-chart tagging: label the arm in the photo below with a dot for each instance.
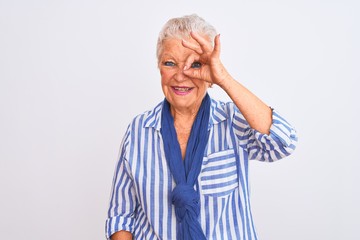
(122, 235)
(278, 143)
(122, 207)
(256, 112)
(268, 137)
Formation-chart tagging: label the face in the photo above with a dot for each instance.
(182, 92)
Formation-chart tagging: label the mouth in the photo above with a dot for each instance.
(182, 90)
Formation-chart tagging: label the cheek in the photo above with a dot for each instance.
(165, 76)
(200, 84)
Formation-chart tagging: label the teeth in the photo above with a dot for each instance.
(182, 89)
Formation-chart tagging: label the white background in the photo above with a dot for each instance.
(74, 73)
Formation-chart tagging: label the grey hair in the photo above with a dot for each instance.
(181, 27)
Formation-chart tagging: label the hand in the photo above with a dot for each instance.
(255, 111)
(211, 69)
(122, 235)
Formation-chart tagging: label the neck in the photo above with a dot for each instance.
(184, 119)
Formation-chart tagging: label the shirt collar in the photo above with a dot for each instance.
(217, 115)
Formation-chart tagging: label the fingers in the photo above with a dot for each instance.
(189, 61)
(204, 43)
(189, 70)
(204, 53)
(202, 46)
(217, 47)
(193, 73)
(192, 46)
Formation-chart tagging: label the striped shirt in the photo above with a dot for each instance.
(140, 200)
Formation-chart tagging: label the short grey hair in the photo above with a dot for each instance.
(181, 27)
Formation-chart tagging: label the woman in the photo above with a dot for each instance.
(183, 166)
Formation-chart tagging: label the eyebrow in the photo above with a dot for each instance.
(167, 55)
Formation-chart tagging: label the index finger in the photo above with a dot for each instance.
(190, 60)
(195, 47)
(203, 42)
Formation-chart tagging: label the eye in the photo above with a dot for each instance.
(169, 64)
(196, 65)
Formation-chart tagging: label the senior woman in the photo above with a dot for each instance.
(182, 171)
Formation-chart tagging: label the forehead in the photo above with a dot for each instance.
(173, 47)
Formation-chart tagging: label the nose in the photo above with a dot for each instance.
(179, 75)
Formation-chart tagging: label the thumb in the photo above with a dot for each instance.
(193, 73)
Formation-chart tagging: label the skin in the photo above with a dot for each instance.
(185, 82)
(185, 94)
(255, 111)
(122, 235)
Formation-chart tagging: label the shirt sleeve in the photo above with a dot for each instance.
(122, 207)
(279, 143)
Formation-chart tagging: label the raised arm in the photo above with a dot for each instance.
(256, 112)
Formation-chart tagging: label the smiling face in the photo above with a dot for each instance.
(182, 92)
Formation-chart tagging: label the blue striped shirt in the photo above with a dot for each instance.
(140, 198)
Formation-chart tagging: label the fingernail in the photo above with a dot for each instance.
(185, 68)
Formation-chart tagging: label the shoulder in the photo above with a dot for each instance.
(137, 129)
(148, 119)
(221, 110)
